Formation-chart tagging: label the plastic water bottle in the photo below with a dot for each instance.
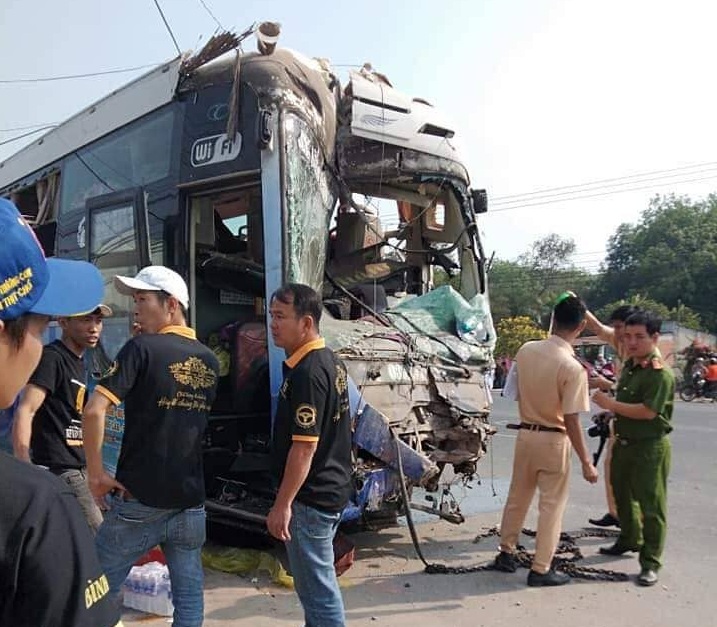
(148, 589)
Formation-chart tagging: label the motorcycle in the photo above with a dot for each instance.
(697, 387)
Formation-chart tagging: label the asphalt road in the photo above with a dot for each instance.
(387, 585)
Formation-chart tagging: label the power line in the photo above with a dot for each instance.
(169, 30)
(214, 17)
(14, 139)
(600, 181)
(66, 77)
(25, 128)
(608, 193)
(613, 186)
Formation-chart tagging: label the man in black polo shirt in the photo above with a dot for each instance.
(167, 380)
(48, 419)
(312, 452)
(49, 573)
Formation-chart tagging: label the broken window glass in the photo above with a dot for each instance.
(310, 201)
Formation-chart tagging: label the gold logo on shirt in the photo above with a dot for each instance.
(341, 380)
(194, 373)
(112, 370)
(305, 416)
(96, 590)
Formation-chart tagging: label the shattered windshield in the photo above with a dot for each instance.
(310, 202)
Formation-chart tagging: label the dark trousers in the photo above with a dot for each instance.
(639, 480)
(76, 479)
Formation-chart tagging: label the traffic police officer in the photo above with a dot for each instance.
(641, 457)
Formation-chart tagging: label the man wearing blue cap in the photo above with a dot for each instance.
(49, 572)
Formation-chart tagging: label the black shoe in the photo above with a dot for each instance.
(505, 562)
(551, 578)
(615, 550)
(608, 520)
(647, 577)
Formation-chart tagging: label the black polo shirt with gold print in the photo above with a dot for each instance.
(168, 382)
(57, 428)
(49, 572)
(314, 407)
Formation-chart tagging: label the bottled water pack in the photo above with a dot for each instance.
(148, 589)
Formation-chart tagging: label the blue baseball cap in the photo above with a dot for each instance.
(30, 283)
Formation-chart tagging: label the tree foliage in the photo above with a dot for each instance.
(681, 314)
(514, 332)
(529, 286)
(441, 277)
(669, 256)
(666, 262)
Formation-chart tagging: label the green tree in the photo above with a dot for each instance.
(529, 286)
(548, 256)
(514, 332)
(669, 256)
(512, 290)
(441, 277)
(682, 314)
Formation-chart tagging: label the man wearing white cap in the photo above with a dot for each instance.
(49, 573)
(167, 381)
(48, 419)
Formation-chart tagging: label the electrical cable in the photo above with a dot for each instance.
(608, 193)
(169, 29)
(44, 79)
(25, 128)
(17, 137)
(599, 181)
(214, 17)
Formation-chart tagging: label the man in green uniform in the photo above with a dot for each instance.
(641, 456)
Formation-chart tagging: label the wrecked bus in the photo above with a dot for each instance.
(243, 171)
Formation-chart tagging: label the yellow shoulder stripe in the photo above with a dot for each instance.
(107, 394)
(305, 438)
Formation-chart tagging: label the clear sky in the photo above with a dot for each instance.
(543, 93)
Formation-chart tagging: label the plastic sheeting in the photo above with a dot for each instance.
(237, 561)
(245, 561)
(463, 328)
(445, 310)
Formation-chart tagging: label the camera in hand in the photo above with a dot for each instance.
(601, 428)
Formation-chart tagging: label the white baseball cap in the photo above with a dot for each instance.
(155, 279)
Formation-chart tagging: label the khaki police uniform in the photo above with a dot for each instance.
(551, 383)
(641, 458)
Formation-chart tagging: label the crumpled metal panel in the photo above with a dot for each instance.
(469, 396)
(364, 339)
(439, 408)
(284, 78)
(362, 159)
(372, 433)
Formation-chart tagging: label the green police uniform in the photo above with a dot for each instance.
(641, 459)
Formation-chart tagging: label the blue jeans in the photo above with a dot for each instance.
(311, 559)
(130, 529)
